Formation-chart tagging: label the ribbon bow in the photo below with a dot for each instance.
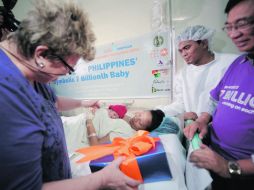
(130, 148)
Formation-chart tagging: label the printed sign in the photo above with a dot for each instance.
(135, 68)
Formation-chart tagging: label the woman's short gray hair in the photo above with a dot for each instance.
(63, 26)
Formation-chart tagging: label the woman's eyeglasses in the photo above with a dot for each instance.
(71, 69)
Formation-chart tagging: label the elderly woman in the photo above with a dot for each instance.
(47, 44)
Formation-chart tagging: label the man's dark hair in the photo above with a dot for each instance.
(231, 4)
(157, 117)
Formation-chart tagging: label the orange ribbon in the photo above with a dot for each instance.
(130, 148)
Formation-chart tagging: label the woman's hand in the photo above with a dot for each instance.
(109, 177)
(208, 159)
(113, 178)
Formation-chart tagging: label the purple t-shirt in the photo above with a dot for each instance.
(32, 144)
(232, 133)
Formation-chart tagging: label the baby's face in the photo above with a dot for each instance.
(112, 114)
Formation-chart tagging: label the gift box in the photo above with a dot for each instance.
(153, 165)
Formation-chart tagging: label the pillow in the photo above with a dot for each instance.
(168, 125)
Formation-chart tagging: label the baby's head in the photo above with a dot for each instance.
(117, 111)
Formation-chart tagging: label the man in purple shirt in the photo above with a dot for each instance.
(231, 110)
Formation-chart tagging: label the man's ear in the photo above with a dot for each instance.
(204, 44)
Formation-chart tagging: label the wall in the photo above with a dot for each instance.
(206, 12)
(114, 20)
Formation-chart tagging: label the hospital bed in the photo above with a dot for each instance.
(176, 156)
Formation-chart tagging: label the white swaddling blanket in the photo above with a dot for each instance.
(76, 133)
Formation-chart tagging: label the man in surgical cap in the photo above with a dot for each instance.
(202, 72)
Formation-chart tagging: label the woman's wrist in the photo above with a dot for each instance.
(92, 135)
(90, 129)
(83, 103)
(89, 122)
(89, 103)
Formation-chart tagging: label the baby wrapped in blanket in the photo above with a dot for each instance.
(76, 133)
